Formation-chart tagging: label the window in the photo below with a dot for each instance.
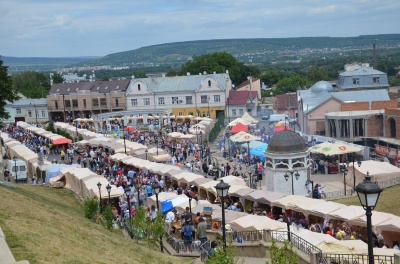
(29, 113)
(43, 113)
(22, 168)
(138, 87)
(56, 104)
(204, 99)
(240, 112)
(375, 80)
(209, 83)
(161, 101)
(217, 98)
(67, 103)
(103, 102)
(356, 81)
(146, 101)
(84, 103)
(116, 102)
(18, 111)
(174, 100)
(234, 112)
(75, 103)
(95, 102)
(180, 114)
(189, 100)
(134, 102)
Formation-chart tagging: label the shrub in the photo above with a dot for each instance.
(283, 255)
(108, 217)
(91, 207)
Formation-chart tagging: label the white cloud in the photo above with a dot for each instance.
(84, 27)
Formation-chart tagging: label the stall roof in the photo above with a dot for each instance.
(321, 210)
(256, 222)
(233, 180)
(264, 197)
(242, 192)
(291, 199)
(346, 213)
(302, 205)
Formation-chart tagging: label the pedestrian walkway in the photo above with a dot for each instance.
(250, 260)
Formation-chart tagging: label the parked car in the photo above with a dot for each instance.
(265, 117)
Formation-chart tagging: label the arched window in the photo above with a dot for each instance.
(209, 83)
(138, 87)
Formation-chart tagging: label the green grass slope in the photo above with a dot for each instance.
(45, 225)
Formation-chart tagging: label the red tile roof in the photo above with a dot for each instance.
(240, 97)
(285, 101)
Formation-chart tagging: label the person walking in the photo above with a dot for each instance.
(201, 232)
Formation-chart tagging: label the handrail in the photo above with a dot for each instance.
(352, 258)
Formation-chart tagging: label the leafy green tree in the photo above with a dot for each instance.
(315, 74)
(7, 91)
(31, 84)
(139, 221)
(291, 84)
(219, 62)
(141, 74)
(57, 78)
(283, 255)
(271, 78)
(220, 256)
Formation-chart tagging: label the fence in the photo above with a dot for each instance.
(247, 236)
(352, 259)
(296, 241)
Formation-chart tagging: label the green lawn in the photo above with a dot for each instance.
(44, 225)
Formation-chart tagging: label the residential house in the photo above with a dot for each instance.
(286, 104)
(197, 95)
(251, 84)
(85, 99)
(29, 110)
(240, 102)
(361, 77)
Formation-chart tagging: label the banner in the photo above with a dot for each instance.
(384, 153)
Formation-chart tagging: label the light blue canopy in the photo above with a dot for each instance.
(259, 151)
(253, 144)
(53, 170)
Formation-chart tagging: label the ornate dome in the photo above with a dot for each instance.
(322, 86)
(286, 141)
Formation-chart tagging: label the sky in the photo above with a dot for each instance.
(71, 28)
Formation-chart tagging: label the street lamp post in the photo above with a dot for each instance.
(76, 131)
(34, 105)
(208, 101)
(344, 170)
(138, 186)
(359, 165)
(156, 190)
(288, 223)
(123, 131)
(127, 193)
(222, 191)
(201, 145)
(15, 169)
(368, 192)
(146, 151)
(99, 186)
(296, 174)
(248, 156)
(109, 193)
(190, 206)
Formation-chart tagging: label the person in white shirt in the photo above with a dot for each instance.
(169, 219)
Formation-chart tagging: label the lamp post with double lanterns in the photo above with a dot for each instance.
(201, 145)
(127, 193)
(99, 186)
(156, 190)
(368, 192)
(109, 193)
(15, 169)
(344, 170)
(293, 172)
(288, 223)
(222, 191)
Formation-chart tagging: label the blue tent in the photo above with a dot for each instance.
(53, 170)
(259, 151)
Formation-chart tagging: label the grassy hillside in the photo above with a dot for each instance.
(46, 225)
(388, 201)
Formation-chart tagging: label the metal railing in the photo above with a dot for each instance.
(352, 259)
(247, 236)
(296, 241)
(174, 243)
(178, 245)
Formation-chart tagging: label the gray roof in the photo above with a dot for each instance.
(28, 102)
(361, 71)
(98, 86)
(180, 83)
(312, 100)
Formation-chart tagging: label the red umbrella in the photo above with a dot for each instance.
(239, 127)
(130, 129)
(281, 128)
(61, 141)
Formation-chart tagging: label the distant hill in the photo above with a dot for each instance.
(246, 50)
(41, 63)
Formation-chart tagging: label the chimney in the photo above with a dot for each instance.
(215, 72)
(227, 71)
(133, 76)
(199, 73)
(163, 75)
(374, 46)
(188, 73)
(204, 72)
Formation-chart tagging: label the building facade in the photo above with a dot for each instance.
(85, 99)
(197, 95)
(29, 110)
(240, 102)
(361, 77)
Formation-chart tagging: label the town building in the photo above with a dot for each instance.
(286, 104)
(240, 102)
(84, 99)
(29, 110)
(197, 95)
(320, 99)
(361, 77)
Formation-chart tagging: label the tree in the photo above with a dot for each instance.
(283, 255)
(271, 78)
(140, 74)
(219, 62)
(292, 84)
(315, 74)
(7, 91)
(31, 84)
(57, 78)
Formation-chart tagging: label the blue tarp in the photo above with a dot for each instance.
(259, 151)
(53, 170)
